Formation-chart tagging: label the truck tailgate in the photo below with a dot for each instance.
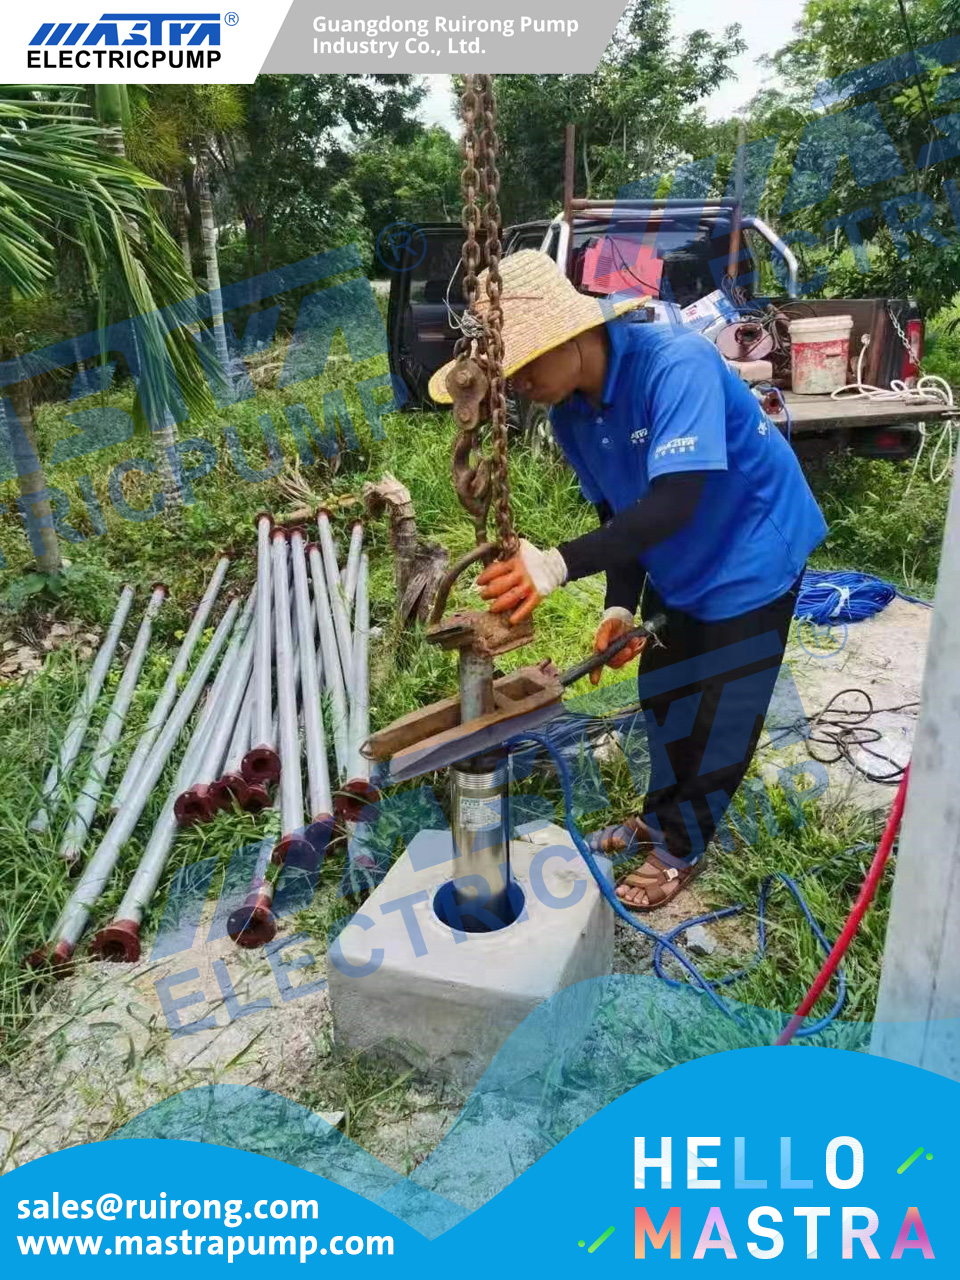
(814, 413)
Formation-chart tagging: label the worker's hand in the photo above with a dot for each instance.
(613, 624)
(520, 583)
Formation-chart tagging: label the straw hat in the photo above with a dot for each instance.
(541, 310)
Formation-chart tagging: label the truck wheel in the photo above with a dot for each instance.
(532, 422)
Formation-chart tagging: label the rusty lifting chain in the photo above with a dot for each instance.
(477, 384)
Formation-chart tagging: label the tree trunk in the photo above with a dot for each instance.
(164, 439)
(183, 230)
(110, 110)
(30, 477)
(211, 260)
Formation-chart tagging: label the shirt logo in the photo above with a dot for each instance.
(639, 436)
(679, 444)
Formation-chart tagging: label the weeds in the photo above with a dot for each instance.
(875, 527)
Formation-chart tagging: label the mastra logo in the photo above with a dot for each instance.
(127, 40)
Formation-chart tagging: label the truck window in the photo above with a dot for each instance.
(693, 262)
(430, 278)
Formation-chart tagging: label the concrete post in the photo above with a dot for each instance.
(918, 1009)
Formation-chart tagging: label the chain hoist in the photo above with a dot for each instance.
(476, 383)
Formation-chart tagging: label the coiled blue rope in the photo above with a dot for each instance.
(841, 595)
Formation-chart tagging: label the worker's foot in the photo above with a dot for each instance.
(655, 883)
(625, 839)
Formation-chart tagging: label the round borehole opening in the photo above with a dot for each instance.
(467, 908)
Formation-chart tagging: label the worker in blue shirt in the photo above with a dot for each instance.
(705, 513)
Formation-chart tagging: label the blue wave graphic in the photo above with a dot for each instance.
(571, 1057)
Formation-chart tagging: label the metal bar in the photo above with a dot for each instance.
(291, 782)
(331, 664)
(75, 914)
(358, 791)
(171, 686)
(120, 939)
(253, 923)
(476, 685)
(106, 745)
(341, 626)
(318, 777)
(241, 731)
(569, 186)
(352, 570)
(261, 763)
(645, 631)
(195, 803)
(231, 784)
(657, 206)
(52, 791)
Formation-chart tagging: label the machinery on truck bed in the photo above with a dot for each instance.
(678, 251)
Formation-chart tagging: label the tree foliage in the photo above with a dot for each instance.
(640, 114)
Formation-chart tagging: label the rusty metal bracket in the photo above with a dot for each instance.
(484, 551)
(487, 634)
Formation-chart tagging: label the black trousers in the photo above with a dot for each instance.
(704, 697)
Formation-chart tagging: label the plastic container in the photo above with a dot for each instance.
(819, 354)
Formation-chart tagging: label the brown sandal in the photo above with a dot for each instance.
(657, 882)
(624, 838)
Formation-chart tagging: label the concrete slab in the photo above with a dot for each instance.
(884, 656)
(406, 987)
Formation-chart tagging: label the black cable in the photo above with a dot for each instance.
(845, 730)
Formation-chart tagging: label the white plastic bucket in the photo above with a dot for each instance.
(819, 354)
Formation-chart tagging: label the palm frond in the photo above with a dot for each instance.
(57, 185)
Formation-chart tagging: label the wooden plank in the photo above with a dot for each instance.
(519, 691)
(918, 1009)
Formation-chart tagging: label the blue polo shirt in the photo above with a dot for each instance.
(671, 404)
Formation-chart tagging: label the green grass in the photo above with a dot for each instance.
(875, 525)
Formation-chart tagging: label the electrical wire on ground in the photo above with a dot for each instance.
(847, 934)
(845, 729)
(665, 942)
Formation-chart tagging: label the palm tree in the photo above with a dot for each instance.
(175, 136)
(58, 188)
(112, 105)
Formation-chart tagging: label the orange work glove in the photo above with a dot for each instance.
(614, 623)
(520, 583)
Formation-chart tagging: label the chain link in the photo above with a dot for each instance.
(480, 480)
(898, 329)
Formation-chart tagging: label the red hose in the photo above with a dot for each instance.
(864, 898)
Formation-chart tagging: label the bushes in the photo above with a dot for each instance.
(880, 521)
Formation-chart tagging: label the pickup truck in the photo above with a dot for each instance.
(678, 252)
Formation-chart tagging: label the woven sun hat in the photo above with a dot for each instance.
(541, 310)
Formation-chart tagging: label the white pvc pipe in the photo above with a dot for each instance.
(171, 686)
(80, 720)
(106, 745)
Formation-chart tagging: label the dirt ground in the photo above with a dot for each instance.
(883, 657)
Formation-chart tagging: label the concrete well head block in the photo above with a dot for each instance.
(411, 989)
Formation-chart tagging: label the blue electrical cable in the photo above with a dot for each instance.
(664, 941)
(842, 595)
(726, 912)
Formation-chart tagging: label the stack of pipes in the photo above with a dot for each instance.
(302, 632)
